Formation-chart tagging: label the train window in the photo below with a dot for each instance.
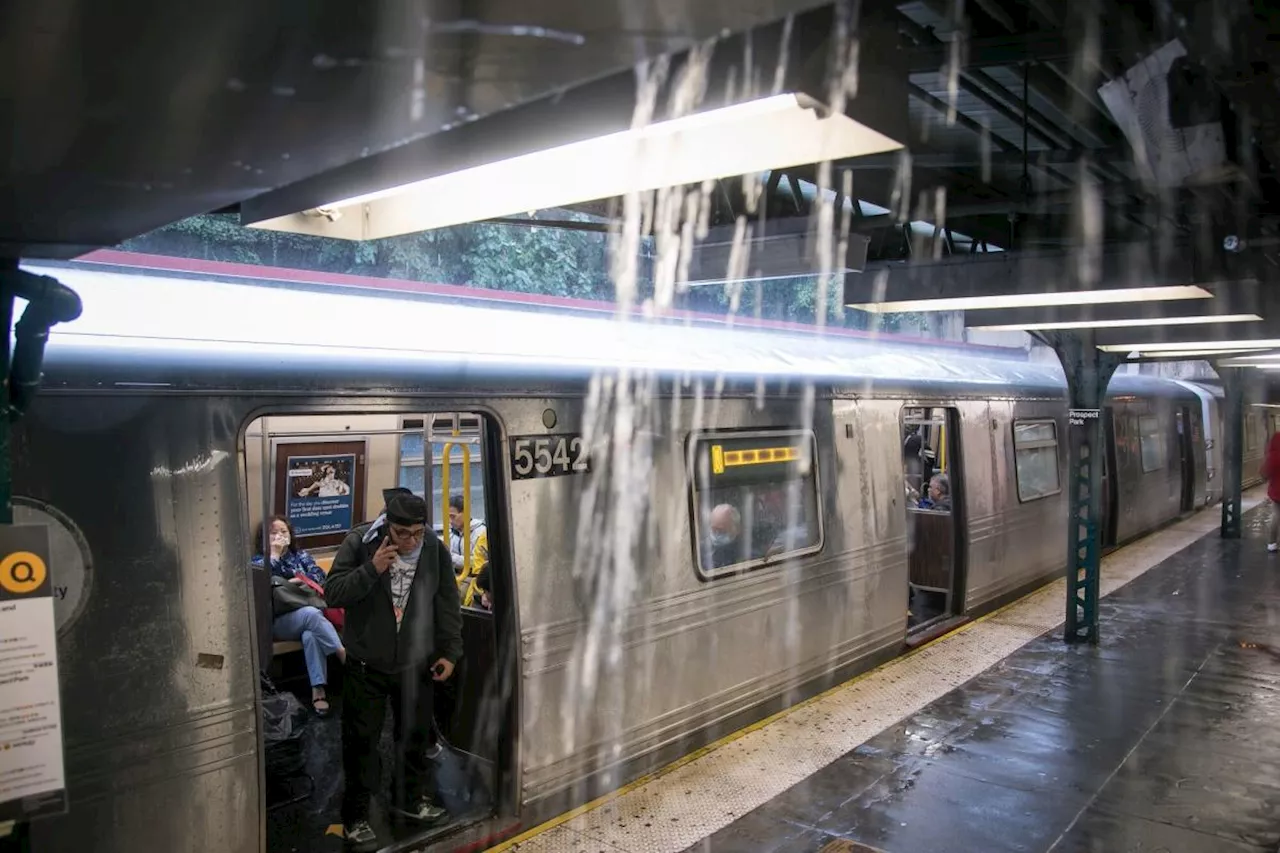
(755, 499)
(1151, 443)
(423, 455)
(1035, 459)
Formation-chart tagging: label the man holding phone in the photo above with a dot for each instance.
(403, 631)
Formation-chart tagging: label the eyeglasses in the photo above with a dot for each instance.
(402, 533)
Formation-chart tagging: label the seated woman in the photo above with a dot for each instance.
(306, 624)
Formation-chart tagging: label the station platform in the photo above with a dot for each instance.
(999, 737)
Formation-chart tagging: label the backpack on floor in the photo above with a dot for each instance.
(283, 721)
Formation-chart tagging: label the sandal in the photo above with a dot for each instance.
(321, 706)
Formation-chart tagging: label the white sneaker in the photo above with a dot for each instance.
(1273, 547)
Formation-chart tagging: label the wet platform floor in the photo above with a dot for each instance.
(1164, 737)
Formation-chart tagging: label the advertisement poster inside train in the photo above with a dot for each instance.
(321, 494)
(32, 777)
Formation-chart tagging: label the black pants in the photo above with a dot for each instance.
(365, 693)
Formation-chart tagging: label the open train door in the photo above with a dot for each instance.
(1186, 457)
(1110, 494)
(935, 518)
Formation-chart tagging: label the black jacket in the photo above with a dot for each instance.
(431, 627)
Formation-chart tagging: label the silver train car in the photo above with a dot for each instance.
(1258, 427)
(620, 638)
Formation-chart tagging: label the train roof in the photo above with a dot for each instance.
(140, 328)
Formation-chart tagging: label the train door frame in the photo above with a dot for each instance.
(504, 779)
(1110, 482)
(1186, 456)
(952, 464)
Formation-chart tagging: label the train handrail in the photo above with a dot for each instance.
(467, 580)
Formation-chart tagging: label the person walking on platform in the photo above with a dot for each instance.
(403, 631)
(1271, 473)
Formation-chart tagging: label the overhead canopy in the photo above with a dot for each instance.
(121, 117)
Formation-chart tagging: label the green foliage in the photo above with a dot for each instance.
(514, 258)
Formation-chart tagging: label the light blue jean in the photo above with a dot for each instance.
(318, 636)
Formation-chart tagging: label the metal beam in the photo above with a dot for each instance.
(1039, 46)
(926, 159)
(960, 118)
(1213, 334)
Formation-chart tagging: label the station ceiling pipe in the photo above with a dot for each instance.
(49, 302)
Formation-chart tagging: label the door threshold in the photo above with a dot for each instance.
(427, 836)
(934, 630)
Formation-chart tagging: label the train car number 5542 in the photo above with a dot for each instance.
(534, 456)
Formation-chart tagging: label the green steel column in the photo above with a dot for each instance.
(1232, 449)
(1088, 372)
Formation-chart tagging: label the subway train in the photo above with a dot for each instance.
(687, 530)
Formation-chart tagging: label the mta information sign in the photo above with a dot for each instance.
(32, 778)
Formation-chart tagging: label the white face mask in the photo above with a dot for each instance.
(280, 540)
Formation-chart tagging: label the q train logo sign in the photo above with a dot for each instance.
(31, 766)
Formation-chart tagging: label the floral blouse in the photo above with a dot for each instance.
(294, 563)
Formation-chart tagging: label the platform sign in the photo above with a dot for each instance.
(739, 461)
(32, 777)
(1083, 417)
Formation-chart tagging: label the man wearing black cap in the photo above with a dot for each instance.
(403, 623)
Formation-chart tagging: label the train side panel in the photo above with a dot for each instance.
(157, 672)
(1025, 553)
(592, 719)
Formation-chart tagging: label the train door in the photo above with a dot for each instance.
(1109, 485)
(317, 477)
(935, 502)
(1186, 457)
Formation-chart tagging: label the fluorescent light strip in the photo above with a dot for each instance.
(1199, 352)
(768, 133)
(1121, 324)
(1263, 354)
(1156, 347)
(1039, 300)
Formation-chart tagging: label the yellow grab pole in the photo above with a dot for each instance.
(466, 502)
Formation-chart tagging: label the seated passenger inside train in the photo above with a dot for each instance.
(477, 538)
(939, 497)
(724, 534)
(307, 623)
(484, 586)
(783, 523)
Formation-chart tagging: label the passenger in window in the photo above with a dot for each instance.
(791, 531)
(403, 631)
(477, 541)
(939, 497)
(307, 625)
(724, 531)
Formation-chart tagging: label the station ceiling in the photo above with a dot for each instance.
(127, 117)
